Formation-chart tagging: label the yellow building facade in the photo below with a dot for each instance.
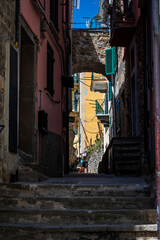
(90, 127)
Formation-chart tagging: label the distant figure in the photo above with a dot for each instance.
(85, 161)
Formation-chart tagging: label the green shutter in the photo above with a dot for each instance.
(92, 76)
(111, 61)
(76, 78)
(110, 91)
(106, 106)
(114, 59)
(99, 107)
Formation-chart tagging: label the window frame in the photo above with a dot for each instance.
(54, 13)
(50, 70)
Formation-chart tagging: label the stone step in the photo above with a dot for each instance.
(79, 232)
(87, 203)
(130, 147)
(133, 147)
(68, 217)
(120, 161)
(132, 155)
(74, 190)
(124, 167)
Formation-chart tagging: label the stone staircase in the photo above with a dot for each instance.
(71, 211)
(126, 156)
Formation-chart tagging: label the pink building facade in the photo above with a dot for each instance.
(45, 58)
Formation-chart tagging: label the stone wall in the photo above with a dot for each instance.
(72, 156)
(123, 85)
(94, 160)
(122, 93)
(7, 30)
(8, 162)
(88, 51)
(140, 75)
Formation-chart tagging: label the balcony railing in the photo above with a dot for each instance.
(122, 21)
(121, 12)
(102, 107)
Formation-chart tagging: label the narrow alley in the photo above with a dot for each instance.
(79, 120)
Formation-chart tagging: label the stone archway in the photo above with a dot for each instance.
(88, 51)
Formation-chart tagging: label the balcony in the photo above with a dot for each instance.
(99, 86)
(122, 22)
(102, 111)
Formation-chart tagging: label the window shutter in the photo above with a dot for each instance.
(110, 91)
(76, 78)
(106, 106)
(75, 103)
(111, 61)
(99, 108)
(92, 76)
(50, 61)
(54, 12)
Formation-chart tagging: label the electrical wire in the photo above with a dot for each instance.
(93, 29)
(96, 79)
(85, 23)
(90, 120)
(91, 132)
(86, 129)
(84, 83)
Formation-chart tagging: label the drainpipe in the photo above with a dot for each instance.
(146, 149)
(156, 98)
(114, 107)
(17, 23)
(68, 90)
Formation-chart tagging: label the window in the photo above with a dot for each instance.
(118, 116)
(110, 60)
(132, 58)
(106, 105)
(76, 4)
(54, 12)
(76, 131)
(110, 90)
(50, 69)
(75, 102)
(92, 76)
(76, 78)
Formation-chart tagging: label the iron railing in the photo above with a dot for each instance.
(121, 12)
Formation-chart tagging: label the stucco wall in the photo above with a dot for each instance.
(53, 106)
(88, 112)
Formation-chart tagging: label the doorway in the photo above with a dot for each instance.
(27, 95)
